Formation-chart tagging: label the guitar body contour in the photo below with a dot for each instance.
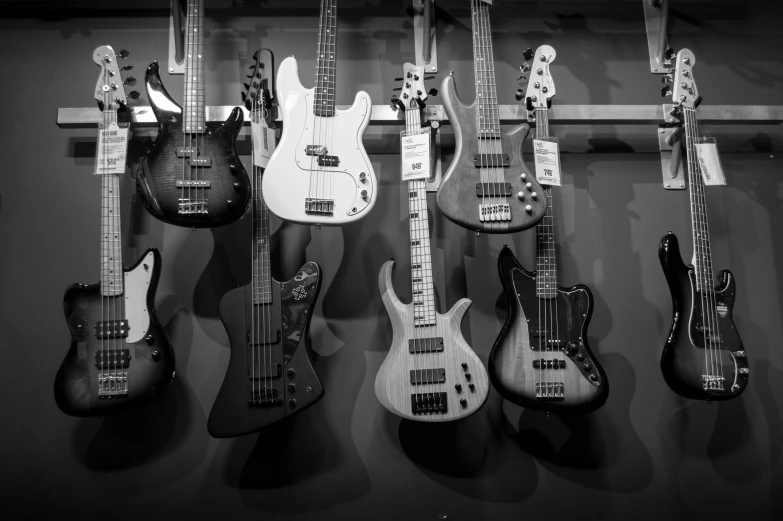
(297, 384)
(293, 176)
(457, 197)
(151, 363)
(511, 369)
(682, 362)
(228, 195)
(393, 385)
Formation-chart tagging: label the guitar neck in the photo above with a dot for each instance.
(195, 114)
(546, 254)
(487, 115)
(326, 60)
(262, 271)
(702, 256)
(111, 225)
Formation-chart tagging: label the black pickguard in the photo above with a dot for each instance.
(229, 194)
(151, 367)
(289, 312)
(683, 358)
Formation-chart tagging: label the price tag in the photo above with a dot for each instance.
(709, 162)
(112, 150)
(415, 155)
(263, 142)
(547, 158)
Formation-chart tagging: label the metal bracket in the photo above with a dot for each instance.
(672, 168)
(656, 20)
(424, 33)
(177, 20)
(433, 183)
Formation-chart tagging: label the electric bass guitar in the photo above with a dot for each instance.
(270, 374)
(483, 189)
(120, 355)
(541, 359)
(430, 374)
(320, 173)
(703, 357)
(192, 176)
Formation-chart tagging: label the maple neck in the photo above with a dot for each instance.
(195, 114)
(423, 290)
(546, 253)
(702, 256)
(487, 115)
(326, 61)
(262, 271)
(111, 226)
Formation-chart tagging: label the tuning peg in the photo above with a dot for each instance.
(123, 54)
(666, 90)
(247, 86)
(126, 68)
(666, 78)
(250, 76)
(523, 79)
(519, 94)
(528, 54)
(244, 96)
(669, 53)
(427, 78)
(398, 79)
(133, 94)
(130, 80)
(398, 88)
(433, 92)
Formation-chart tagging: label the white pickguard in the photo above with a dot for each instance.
(137, 285)
(292, 176)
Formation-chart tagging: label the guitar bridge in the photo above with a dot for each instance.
(319, 206)
(188, 207)
(550, 390)
(112, 385)
(494, 212)
(712, 383)
(429, 403)
(265, 396)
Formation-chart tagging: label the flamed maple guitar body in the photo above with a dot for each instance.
(297, 385)
(511, 361)
(228, 195)
(151, 358)
(682, 361)
(457, 197)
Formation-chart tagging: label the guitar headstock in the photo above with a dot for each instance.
(110, 87)
(541, 86)
(259, 91)
(684, 90)
(413, 93)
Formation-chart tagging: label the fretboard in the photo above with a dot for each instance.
(262, 271)
(423, 292)
(111, 226)
(702, 255)
(546, 253)
(194, 117)
(487, 115)
(326, 62)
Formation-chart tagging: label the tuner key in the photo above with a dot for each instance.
(130, 80)
(527, 54)
(665, 90)
(126, 67)
(683, 85)
(433, 92)
(123, 54)
(519, 95)
(666, 78)
(134, 94)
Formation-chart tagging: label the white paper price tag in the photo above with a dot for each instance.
(415, 155)
(112, 150)
(263, 142)
(709, 162)
(547, 158)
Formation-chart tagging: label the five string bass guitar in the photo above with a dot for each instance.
(484, 189)
(703, 357)
(270, 374)
(192, 176)
(320, 173)
(430, 374)
(541, 359)
(120, 355)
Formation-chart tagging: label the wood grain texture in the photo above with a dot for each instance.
(76, 383)
(229, 194)
(682, 362)
(457, 193)
(392, 383)
(511, 367)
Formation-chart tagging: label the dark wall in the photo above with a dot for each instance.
(646, 454)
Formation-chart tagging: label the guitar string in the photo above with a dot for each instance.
(495, 141)
(331, 90)
(254, 251)
(318, 110)
(479, 58)
(199, 102)
(543, 325)
(186, 140)
(103, 369)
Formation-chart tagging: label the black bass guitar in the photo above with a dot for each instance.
(120, 355)
(270, 374)
(192, 176)
(541, 359)
(483, 189)
(703, 357)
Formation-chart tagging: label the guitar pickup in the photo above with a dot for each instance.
(316, 150)
(328, 161)
(266, 338)
(493, 189)
(111, 329)
(112, 358)
(427, 376)
(319, 206)
(204, 162)
(193, 184)
(187, 152)
(549, 364)
(490, 160)
(425, 345)
(262, 370)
